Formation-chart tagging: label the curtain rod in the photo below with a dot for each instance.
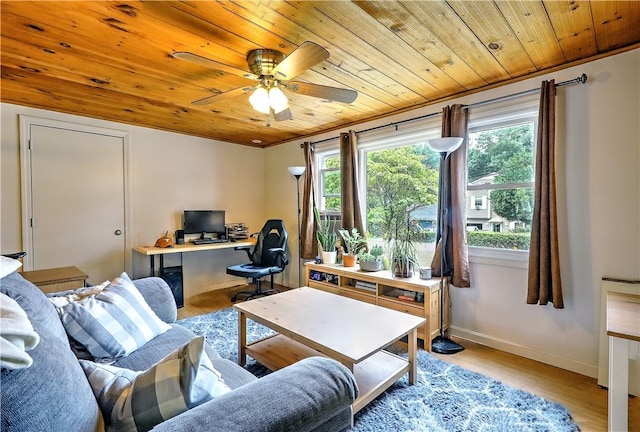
(580, 80)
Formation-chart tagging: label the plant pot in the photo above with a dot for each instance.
(371, 266)
(329, 257)
(349, 260)
(403, 268)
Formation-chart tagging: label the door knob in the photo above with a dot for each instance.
(118, 232)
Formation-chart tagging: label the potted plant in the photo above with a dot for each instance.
(353, 242)
(327, 238)
(404, 255)
(372, 260)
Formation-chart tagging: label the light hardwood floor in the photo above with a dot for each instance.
(581, 395)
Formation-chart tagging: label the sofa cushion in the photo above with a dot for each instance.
(52, 394)
(133, 400)
(154, 350)
(113, 322)
(34, 302)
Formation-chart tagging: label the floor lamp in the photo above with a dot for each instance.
(297, 172)
(445, 146)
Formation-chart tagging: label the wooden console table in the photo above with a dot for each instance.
(382, 288)
(56, 279)
(623, 328)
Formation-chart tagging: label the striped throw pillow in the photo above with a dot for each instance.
(113, 322)
(137, 401)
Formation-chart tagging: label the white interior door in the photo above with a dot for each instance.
(77, 201)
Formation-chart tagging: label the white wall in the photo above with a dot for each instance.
(598, 165)
(168, 173)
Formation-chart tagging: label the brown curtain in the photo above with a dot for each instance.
(455, 120)
(544, 262)
(350, 197)
(308, 240)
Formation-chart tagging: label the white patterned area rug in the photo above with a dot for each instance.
(446, 398)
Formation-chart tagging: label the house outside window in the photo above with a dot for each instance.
(399, 173)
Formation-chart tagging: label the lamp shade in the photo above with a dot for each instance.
(445, 144)
(259, 100)
(296, 170)
(277, 100)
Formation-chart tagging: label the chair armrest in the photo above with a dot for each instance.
(247, 249)
(159, 297)
(280, 255)
(314, 394)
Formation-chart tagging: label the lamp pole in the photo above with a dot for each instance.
(441, 344)
(297, 172)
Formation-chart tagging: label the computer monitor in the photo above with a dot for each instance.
(204, 222)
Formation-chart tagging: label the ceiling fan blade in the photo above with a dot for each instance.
(212, 64)
(222, 96)
(302, 58)
(285, 114)
(323, 92)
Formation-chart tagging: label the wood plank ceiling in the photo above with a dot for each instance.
(113, 59)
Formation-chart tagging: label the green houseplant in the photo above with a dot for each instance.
(353, 243)
(327, 238)
(404, 254)
(372, 260)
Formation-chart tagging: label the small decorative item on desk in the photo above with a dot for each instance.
(164, 241)
(353, 243)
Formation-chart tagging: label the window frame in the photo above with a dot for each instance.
(501, 114)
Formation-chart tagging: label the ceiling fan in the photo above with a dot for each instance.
(272, 71)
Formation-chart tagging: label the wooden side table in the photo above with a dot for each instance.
(56, 279)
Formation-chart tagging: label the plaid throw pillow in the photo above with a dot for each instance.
(112, 322)
(137, 401)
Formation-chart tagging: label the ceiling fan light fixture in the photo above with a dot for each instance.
(278, 100)
(259, 100)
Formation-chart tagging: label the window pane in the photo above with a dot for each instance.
(402, 187)
(501, 155)
(496, 217)
(505, 223)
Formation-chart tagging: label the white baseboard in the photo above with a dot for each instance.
(526, 352)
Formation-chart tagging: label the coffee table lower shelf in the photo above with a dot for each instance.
(373, 375)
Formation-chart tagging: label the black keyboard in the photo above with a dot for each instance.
(208, 241)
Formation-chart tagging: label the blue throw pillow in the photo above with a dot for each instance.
(111, 322)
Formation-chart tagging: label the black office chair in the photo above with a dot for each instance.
(269, 257)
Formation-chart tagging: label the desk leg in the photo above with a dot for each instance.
(413, 356)
(618, 384)
(242, 338)
(152, 266)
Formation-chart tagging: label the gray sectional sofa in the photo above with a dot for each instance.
(53, 394)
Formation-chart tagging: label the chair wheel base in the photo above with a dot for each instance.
(253, 294)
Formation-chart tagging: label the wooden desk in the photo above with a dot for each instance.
(56, 279)
(623, 327)
(173, 275)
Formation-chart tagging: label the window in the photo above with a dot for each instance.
(500, 166)
(329, 178)
(400, 172)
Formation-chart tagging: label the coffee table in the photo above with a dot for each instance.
(312, 322)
